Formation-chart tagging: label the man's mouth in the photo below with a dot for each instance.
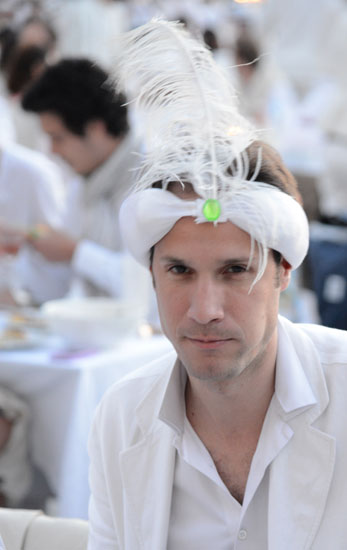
(208, 343)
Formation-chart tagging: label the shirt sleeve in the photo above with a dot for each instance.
(99, 265)
(50, 194)
(116, 273)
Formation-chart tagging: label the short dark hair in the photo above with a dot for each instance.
(78, 91)
(272, 170)
(23, 64)
(8, 41)
(246, 50)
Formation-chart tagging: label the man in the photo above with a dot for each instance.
(88, 127)
(231, 443)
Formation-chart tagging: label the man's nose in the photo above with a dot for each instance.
(206, 302)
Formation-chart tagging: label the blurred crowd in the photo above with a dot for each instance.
(69, 145)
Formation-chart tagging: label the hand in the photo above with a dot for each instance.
(11, 239)
(54, 245)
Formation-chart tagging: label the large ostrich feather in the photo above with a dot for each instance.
(188, 110)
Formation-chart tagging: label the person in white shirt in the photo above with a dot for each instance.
(238, 439)
(31, 194)
(87, 123)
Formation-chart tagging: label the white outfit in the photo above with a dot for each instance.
(146, 467)
(31, 193)
(99, 262)
(7, 129)
(27, 127)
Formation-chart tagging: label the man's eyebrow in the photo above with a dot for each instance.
(237, 260)
(225, 262)
(171, 260)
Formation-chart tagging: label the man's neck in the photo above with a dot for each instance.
(110, 145)
(228, 419)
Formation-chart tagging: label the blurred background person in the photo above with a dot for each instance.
(265, 94)
(25, 52)
(329, 232)
(7, 128)
(333, 180)
(31, 194)
(88, 127)
(221, 55)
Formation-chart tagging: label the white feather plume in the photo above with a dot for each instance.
(193, 131)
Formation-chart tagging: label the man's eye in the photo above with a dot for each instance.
(235, 269)
(178, 269)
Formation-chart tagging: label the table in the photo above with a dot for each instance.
(62, 394)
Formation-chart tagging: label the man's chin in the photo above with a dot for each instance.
(208, 366)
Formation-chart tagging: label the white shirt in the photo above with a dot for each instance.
(2, 546)
(204, 514)
(31, 193)
(100, 265)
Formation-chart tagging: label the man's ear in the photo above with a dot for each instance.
(95, 127)
(285, 274)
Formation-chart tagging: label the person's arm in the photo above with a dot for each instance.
(89, 260)
(53, 244)
(113, 272)
(100, 266)
(11, 238)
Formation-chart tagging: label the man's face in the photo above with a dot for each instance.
(82, 153)
(217, 327)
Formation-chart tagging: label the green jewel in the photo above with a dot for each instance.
(211, 210)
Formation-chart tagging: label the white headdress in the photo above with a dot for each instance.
(195, 134)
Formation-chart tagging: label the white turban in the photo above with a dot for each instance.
(274, 219)
(195, 134)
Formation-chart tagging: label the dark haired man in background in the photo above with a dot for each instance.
(88, 126)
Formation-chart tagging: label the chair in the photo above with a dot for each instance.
(34, 530)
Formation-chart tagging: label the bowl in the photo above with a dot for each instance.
(92, 322)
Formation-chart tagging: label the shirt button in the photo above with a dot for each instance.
(242, 534)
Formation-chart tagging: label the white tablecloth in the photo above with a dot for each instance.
(62, 395)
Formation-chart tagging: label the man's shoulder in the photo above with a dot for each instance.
(131, 405)
(129, 391)
(34, 164)
(23, 156)
(329, 343)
